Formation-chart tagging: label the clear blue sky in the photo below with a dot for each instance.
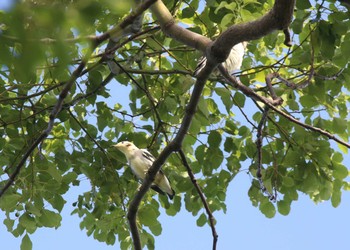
(308, 226)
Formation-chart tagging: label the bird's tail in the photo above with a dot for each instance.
(170, 194)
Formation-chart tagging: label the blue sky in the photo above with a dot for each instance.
(308, 226)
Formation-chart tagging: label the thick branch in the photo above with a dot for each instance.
(278, 18)
(173, 146)
(199, 42)
(170, 28)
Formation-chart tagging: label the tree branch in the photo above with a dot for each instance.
(200, 42)
(174, 145)
(258, 142)
(234, 82)
(278, 18)
(307, 126)
(77, 72)
(170, 28)
(56, 109)
(201, 195)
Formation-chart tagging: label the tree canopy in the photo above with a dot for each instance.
(67, 64)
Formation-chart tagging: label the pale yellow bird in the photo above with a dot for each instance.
(140, 160)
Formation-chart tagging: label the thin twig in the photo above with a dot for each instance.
(56, 109)
(273, 20)
(268, 80)
(87, 133)
(312, 128)
(259, 138)
(76, 73)
(173, 146)
(201, 195)
(233, 82)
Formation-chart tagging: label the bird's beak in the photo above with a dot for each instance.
(118, 145)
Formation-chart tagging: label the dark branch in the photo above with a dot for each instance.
(272, 21)
(56, 109)
(173, 146)
(287, 38)
(201, 195)
(278, 18)
(234, 82)
(77, 72)
(259, 138)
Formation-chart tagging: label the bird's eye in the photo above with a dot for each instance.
(128, 145)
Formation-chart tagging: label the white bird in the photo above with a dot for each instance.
(233, 61)
(140, 160)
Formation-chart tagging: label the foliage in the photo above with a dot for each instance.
(42, 42)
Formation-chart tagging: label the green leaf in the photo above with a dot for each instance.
(298, 22)
(57, 202)
(288, 181)
(202, 219)
(309, 101)
(50, 219)
(9, 201)
(239, 99)
(231, 127)
(110, 238)
(225, 98)
(336, 198)
(214, 139)
(147, 215)
(226, 21)
(268, 209)
(326, 191)
(302, 5)
(328, 39)
(340, 171)
(187, 12)
(26, 243)
(339, 125)
(28, 222)
(175, 207)
(156, 228)
(283, 207)
(9, 224)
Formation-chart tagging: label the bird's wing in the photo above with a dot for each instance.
(200, 65)
(150, 158)
(157, 189)
(161, 182)
(147, 155)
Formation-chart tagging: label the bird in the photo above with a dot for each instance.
(140, 160)
(233, 61)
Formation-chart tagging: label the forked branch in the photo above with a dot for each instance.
(278, 18)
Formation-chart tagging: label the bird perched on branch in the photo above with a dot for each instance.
(140, 160)
(233, 61)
